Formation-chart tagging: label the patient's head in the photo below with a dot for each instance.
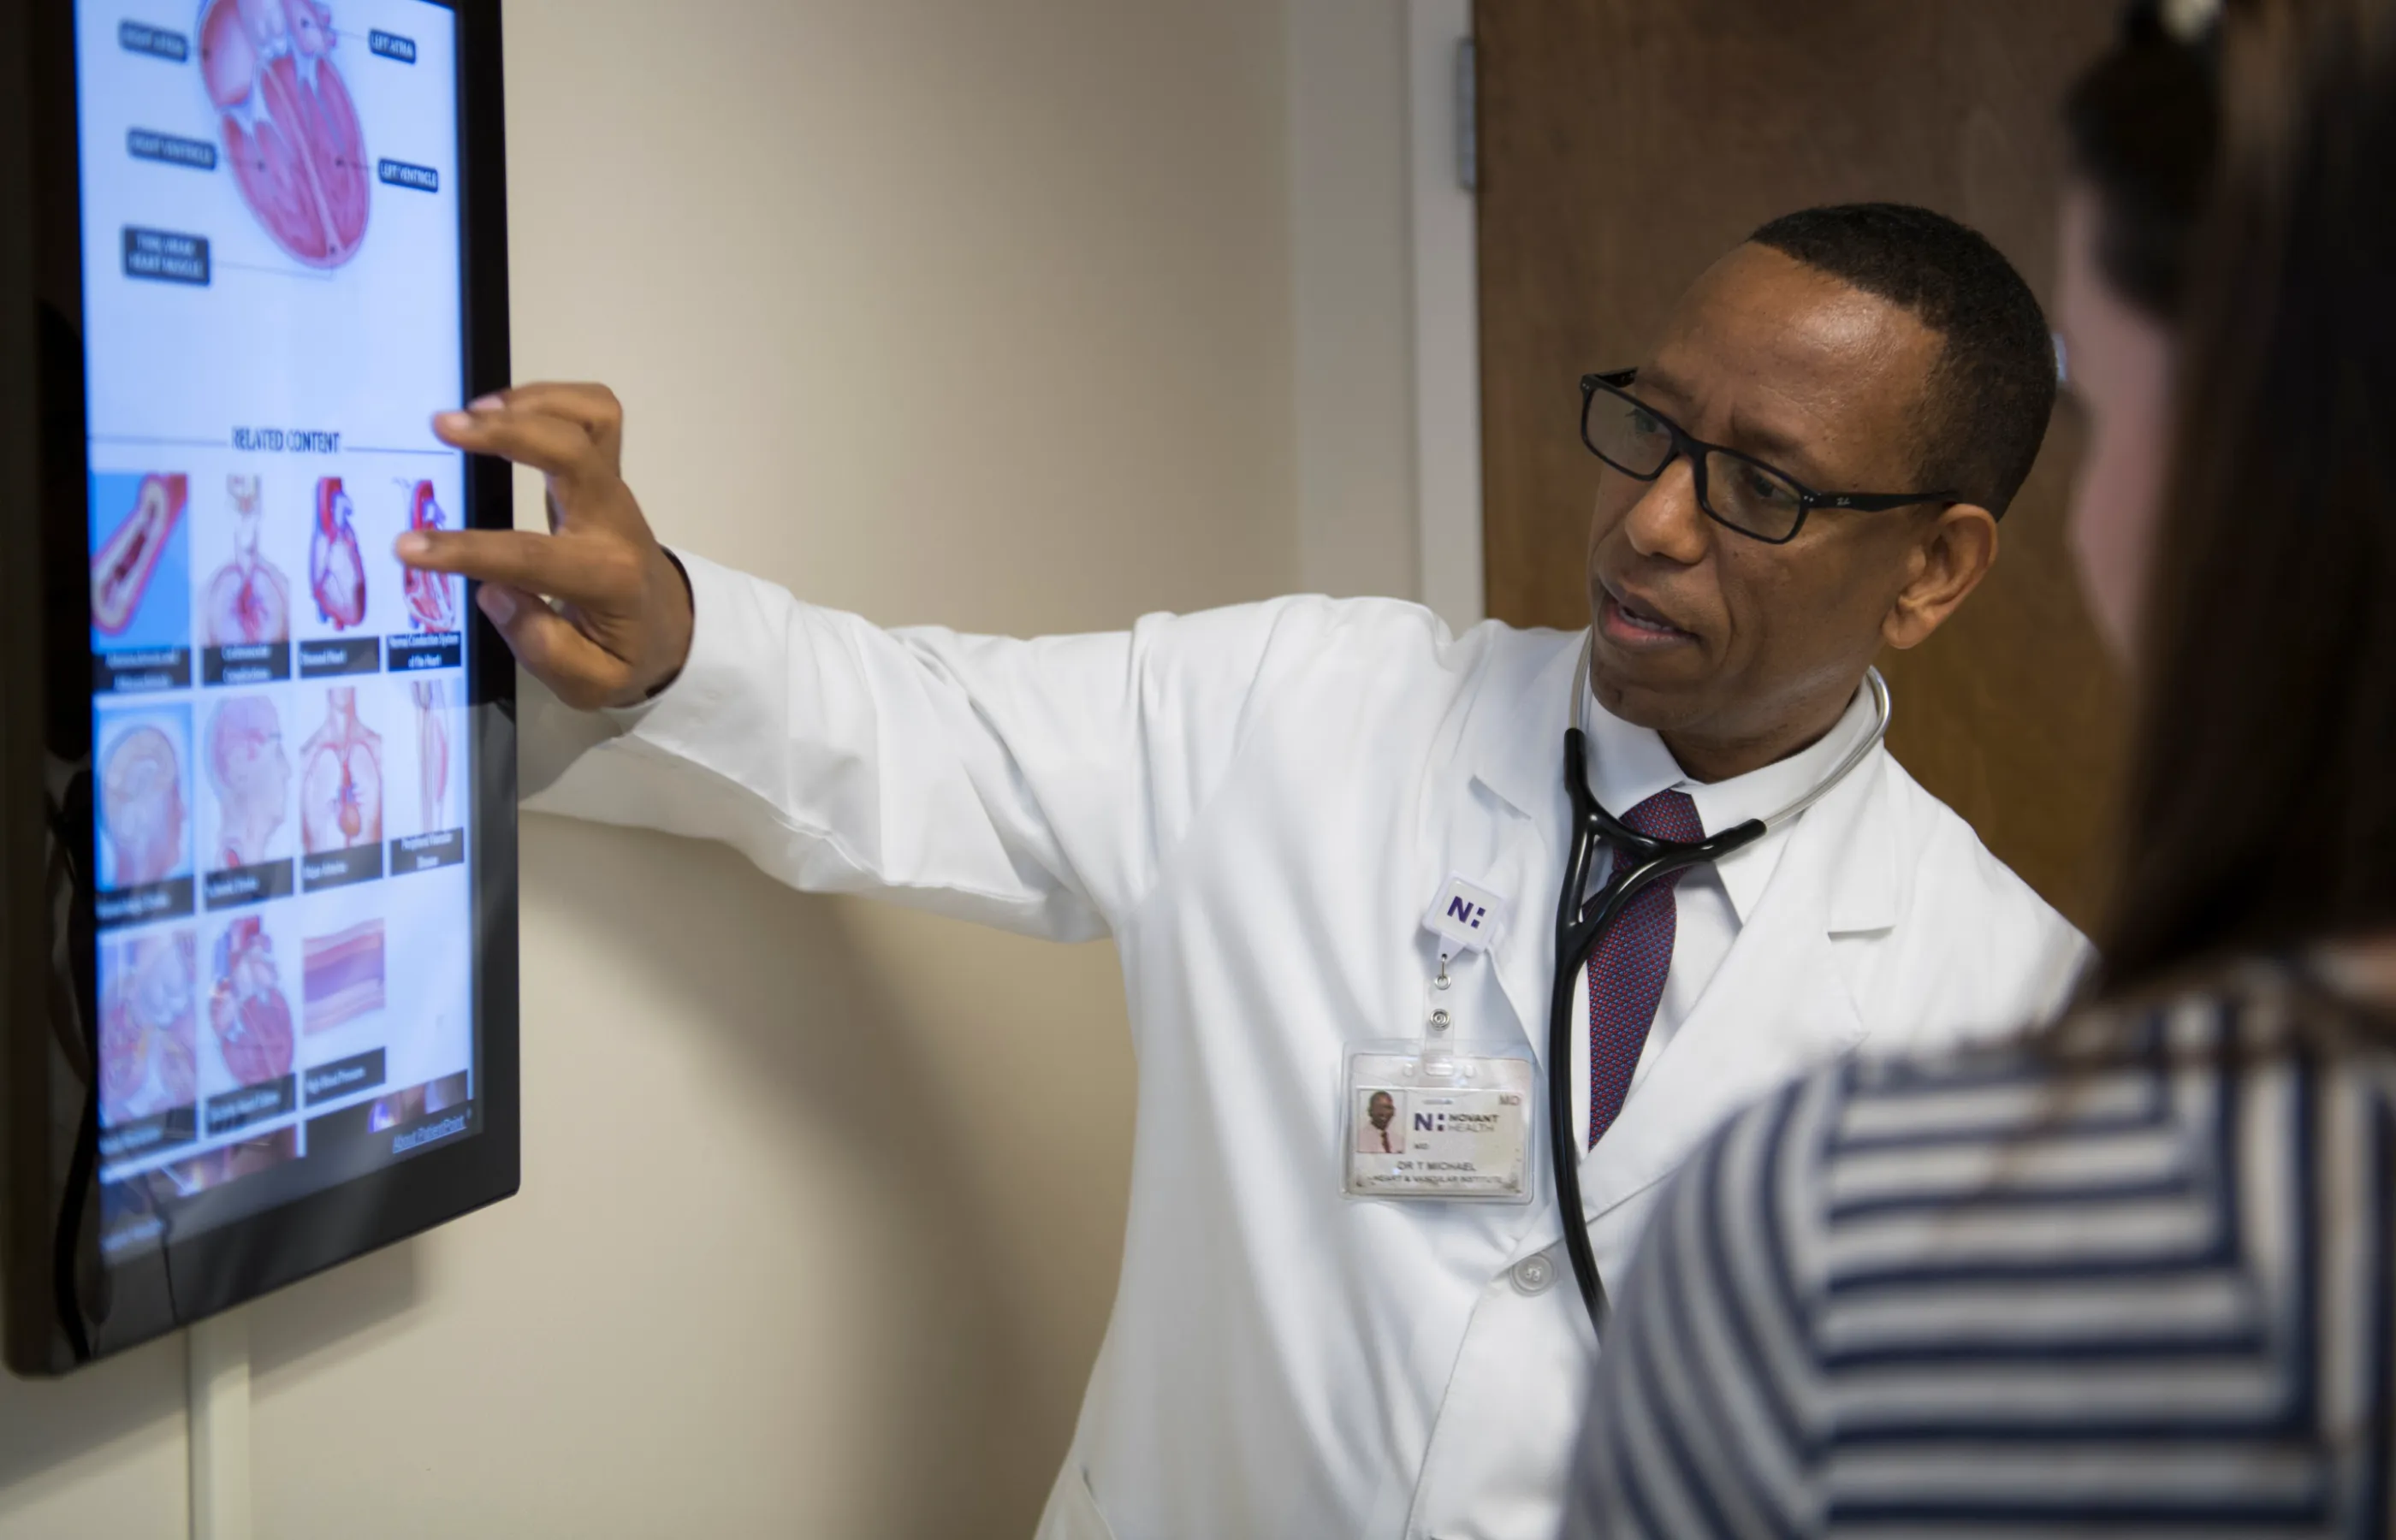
(2142, 127)
(2261, 813)
(141, 807)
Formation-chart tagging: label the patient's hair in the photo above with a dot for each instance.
(2142, 129)
(2261, 807)
(1993, 387)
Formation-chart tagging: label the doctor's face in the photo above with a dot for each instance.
(1740, 652)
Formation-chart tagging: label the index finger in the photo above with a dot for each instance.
(588, 404)
(572, 570)
(555, 445)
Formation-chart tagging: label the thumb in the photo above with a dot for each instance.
(577, 669)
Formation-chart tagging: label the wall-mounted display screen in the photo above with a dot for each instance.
(295, 799)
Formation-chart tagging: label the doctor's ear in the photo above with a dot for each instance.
(1953, 548)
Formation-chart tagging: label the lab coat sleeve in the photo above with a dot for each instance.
(1037, 785)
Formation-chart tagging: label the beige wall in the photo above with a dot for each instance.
(1350, 329)
(1005, 314)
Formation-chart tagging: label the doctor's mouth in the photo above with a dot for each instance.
(1636, 623)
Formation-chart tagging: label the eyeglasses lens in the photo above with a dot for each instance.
(1747, 497)
(1625, 434)
(1740, 492)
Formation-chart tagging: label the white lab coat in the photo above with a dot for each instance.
(1258, 804)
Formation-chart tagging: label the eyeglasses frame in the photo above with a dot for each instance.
(1616, 382)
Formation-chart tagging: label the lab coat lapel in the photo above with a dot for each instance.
(1515, 819)
(1777, 1005)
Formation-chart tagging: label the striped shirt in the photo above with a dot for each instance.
(2047, 1292)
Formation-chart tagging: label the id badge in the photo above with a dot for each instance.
(1444, 1125)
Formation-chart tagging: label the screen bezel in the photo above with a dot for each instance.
(64, 1306)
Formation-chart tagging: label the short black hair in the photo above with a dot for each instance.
(1992, 389)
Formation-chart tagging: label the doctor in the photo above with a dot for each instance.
(1262, 805)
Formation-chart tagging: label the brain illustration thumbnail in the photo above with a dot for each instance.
(290, 129)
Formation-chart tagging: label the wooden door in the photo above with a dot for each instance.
(1624, 145)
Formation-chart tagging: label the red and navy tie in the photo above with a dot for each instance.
(1626, 972)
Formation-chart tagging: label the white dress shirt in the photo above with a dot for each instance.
(1628, 764)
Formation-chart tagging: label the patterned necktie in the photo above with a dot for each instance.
(1626, 972)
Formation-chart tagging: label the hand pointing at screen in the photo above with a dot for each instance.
(594, 609)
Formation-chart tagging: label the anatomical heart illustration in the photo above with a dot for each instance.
(432, 596)
(148, 1043)
(341, 778)
(129, 557)
(337, 572)
(247, 1011)
(291, 133)
(249, 599)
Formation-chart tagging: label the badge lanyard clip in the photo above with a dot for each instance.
(1439, 1029)
(1466, 918)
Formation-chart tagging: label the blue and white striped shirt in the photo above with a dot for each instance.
(2039, 1293)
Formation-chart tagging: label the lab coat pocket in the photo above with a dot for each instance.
(1072, 1509)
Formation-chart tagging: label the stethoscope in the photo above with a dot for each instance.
(1640, 863)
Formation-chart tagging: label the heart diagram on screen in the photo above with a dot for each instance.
(290, 129)
(431, 598)
(341, 778)
(147, 1052)
(337, 574)
(246, 1010)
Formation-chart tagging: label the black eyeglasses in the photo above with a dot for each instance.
(1737, 491)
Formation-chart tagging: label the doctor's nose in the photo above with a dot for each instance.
(1666, 523)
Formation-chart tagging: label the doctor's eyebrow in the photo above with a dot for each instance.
(1781, 451)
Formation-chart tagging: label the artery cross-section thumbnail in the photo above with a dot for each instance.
(120, 569)
(290, 129)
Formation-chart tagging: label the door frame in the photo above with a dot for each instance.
(1444, 232)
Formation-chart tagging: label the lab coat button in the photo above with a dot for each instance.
(1534, 1274)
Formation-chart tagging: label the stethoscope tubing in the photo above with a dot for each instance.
(1639, 862)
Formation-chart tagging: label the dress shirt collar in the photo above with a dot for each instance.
(1628, 764)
